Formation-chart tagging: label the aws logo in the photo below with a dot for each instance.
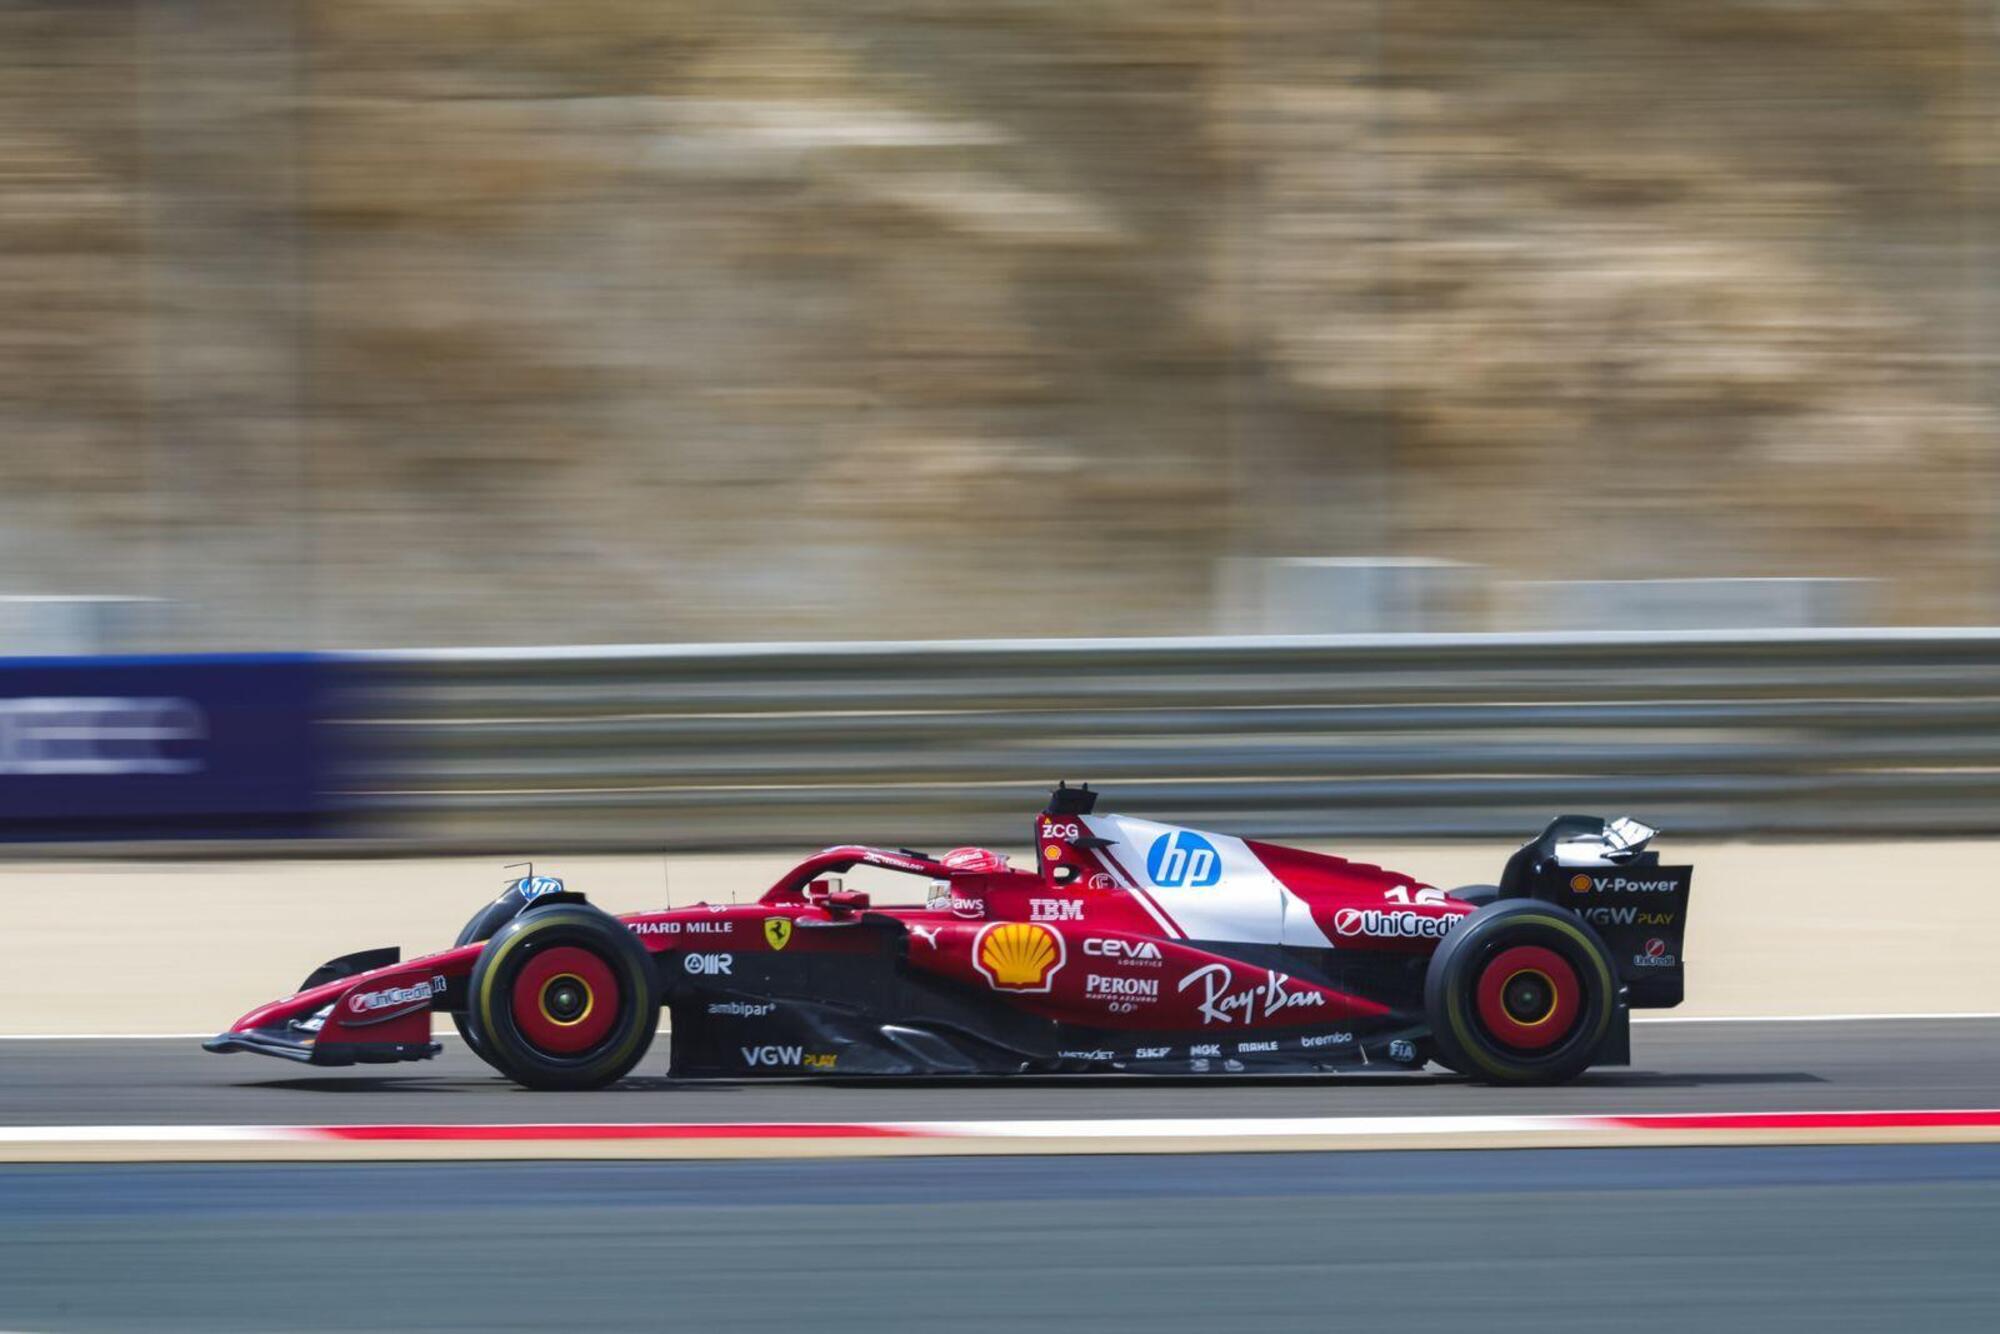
(1183, 860)
(1018, 956)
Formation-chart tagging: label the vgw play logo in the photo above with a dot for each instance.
(1183, 860)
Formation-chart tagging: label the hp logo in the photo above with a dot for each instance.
(1183, 860)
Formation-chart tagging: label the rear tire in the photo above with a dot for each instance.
(563, 998)
(1521, 992)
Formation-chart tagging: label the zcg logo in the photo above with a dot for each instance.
(1183, 860)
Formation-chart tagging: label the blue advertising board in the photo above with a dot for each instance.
(167, 747)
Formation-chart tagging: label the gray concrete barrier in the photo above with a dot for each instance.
(722, 746)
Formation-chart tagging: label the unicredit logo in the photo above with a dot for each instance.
(1376, 922)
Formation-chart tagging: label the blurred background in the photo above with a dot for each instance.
(539, 327)
(420, 322)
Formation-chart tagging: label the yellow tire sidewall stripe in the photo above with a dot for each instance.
(493, 971)
(1454, 994)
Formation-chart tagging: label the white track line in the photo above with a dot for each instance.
(1637, 1019)
(653, 1139)
(1805, 1018)
(103, 1037)
(1247, 1127)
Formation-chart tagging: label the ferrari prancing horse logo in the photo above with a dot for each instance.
(778, 930)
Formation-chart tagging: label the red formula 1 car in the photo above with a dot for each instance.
(1132, 947)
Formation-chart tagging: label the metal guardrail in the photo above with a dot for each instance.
(1888, 731)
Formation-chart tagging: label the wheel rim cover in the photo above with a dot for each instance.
(1528, 962)
(565, 1000)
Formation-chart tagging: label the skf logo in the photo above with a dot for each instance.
(1018, 956)
(778, 931)
(1579, 884)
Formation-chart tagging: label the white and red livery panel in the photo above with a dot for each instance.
(1202, 886)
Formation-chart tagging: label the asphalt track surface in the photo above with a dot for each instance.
(1694, 1067)
(1719, 1240)
(1823, 1238)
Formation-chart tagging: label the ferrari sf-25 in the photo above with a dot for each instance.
(1131, 947)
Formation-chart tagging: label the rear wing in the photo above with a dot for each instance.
(1602, 871)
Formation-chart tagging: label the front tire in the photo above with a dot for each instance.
(482, 926)
(1521, 992)
(562, 998)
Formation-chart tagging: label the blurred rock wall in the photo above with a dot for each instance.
(361, 322)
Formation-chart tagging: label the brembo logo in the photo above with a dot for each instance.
(1391, 925)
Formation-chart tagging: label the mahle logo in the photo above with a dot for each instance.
(1183, 860)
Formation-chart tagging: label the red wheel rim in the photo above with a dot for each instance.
(565, 1000)
(1528, 997)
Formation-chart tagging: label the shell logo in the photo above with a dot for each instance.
(1018, 956)
(1579, 884)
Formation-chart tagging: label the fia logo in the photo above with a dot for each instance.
(1183, 859)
